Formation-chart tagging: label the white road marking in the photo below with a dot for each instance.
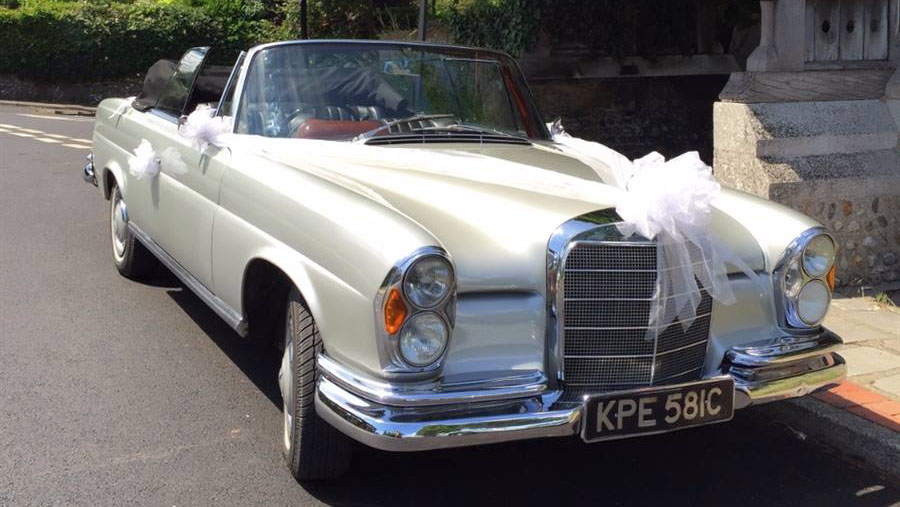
(57, 117)
(40, 135)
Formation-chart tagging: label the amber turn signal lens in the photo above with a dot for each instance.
(394, 312)
(829, 278)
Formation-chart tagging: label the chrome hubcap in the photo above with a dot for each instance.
(285, 376)
(119, 225)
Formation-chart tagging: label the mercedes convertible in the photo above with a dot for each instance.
(397, 221)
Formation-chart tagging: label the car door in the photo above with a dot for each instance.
(177, 207)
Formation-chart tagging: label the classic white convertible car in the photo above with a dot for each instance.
(436, 269)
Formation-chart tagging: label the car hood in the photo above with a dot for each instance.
(494, 207)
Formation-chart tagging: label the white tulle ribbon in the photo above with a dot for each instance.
(203, 128)
(669, 202)
(172, 163)
(144, 163)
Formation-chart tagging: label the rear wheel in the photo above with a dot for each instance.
(131, 258)
(313, 448)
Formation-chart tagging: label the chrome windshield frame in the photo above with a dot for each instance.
(520, 81)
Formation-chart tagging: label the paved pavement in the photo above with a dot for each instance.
(871, 332)
(120, 393)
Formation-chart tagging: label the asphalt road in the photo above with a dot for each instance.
(120, 393)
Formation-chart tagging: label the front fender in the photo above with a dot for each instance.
(113, 170)
(297, 268)
(772, 225)
(344, 314)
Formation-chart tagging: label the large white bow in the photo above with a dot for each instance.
(669, 202)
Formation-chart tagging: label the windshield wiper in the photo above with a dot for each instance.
(366, 135)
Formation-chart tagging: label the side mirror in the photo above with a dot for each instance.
(182, 120)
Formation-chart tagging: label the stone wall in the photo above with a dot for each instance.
(836, 161)
(863, 216)
(635, 115)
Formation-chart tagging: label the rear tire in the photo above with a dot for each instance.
(313, 449)
(131, 258)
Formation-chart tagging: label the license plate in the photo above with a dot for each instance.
(657, 409)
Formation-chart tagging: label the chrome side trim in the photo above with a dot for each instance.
(231, 316)
(522, 385)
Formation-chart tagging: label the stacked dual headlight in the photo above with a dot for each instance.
(808, 278)
(418, 309)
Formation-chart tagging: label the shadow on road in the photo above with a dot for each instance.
(258, 361)
(750, 461)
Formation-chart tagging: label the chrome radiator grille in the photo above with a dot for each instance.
(607, 297)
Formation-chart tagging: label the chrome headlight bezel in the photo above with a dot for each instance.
(394, 364)
(792, 276)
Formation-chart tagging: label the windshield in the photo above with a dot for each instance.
(357, 90)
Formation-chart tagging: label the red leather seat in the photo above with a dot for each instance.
(314, 128)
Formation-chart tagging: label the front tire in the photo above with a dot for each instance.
(314, 449)
(132, 259)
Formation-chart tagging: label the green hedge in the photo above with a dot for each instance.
(509, 25)
(86, 42)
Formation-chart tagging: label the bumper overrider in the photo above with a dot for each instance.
(520, 407)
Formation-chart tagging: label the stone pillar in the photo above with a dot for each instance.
(892, 92)
(821, 136)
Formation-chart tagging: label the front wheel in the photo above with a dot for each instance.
(131, 258)
(313, 448)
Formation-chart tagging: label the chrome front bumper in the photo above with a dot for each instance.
(765, 371)
(87, 172)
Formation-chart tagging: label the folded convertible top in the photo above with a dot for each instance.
(154, 84)
(207, 88)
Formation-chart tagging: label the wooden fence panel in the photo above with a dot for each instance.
(852, 31)
(876, 30)
(811, 30)
(827, 30)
